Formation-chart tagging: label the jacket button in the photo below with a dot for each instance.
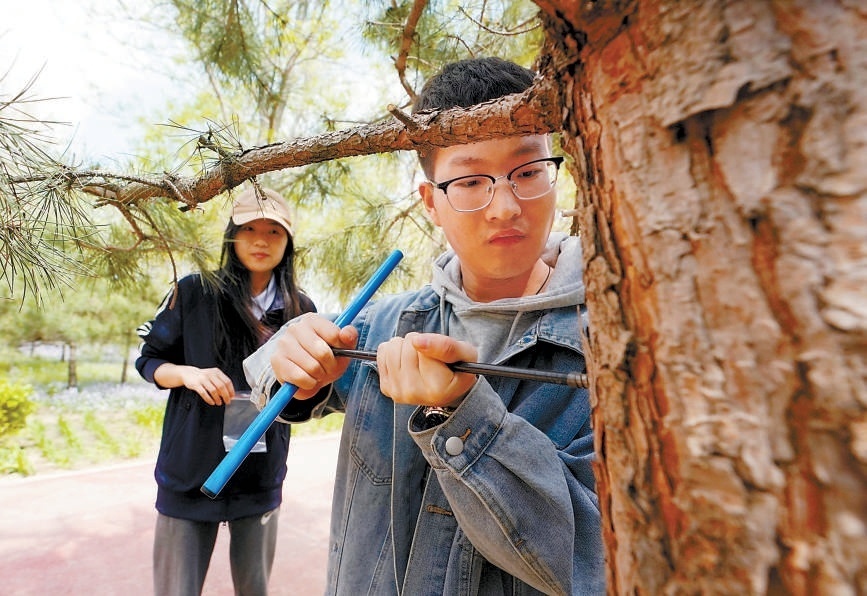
(454, 446)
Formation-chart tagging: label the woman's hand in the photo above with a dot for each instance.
(212, 384)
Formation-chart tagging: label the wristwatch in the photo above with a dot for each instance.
(435, 415)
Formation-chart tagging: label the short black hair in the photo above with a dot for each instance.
(467, 82)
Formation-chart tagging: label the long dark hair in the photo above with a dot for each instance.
(237, 332)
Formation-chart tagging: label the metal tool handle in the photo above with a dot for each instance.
(572, 379)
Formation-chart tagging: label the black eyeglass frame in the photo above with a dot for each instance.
(443, 186)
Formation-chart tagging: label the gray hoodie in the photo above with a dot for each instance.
(492, 326)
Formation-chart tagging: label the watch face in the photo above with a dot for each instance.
(435, 415)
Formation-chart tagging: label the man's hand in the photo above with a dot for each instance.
(303, 356)
(413, 369)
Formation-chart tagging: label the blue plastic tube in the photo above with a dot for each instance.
(230, 464)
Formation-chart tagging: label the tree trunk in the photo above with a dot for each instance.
(721, 158)
(72, 367)
(125, 361)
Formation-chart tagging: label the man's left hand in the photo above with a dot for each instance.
(413, 369)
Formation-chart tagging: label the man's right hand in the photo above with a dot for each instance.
(304, 357)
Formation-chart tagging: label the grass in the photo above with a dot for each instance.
(50, 375)
(102, 422)
(330, 424)
(99, 424)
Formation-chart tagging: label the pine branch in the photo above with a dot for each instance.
(535, 111)
(406, 40)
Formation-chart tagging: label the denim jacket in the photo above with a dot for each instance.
(499, 499)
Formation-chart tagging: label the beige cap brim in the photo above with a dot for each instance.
(248, 207)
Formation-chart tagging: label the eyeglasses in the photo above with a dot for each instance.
(528, 181)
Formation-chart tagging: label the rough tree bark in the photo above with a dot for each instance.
(721, 158)
(531, 112)
(721, 154)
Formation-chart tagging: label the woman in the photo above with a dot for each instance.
(195, 346)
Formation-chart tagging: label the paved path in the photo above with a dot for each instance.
(91, 531)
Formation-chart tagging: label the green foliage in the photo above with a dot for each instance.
(96, 314)
(455, 29)
(22, 463)
(72, 437)
(53, 450)
(238, 37)
(15, 407)
(101, 422)
(149, 417)
(96, 426)
(67, 433)
(66, 438)
(319, 426)
(365, 216)
(260, 58)
(40, 222)
(50, 374)
(14, 460)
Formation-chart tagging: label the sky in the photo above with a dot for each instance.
(92, 64)
(108, 73)
(107, 88)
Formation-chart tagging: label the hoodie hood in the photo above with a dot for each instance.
(565, 288)
(492, 326)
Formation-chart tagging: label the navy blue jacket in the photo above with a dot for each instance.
(192, 436)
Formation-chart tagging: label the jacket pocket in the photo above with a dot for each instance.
(264, 471)
(192, 443)
(372, 417)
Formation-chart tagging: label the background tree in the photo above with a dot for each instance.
(96, 315)
(40, 222)
(270, 60)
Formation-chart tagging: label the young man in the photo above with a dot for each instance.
(452, 483)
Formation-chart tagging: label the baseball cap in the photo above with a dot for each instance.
(269, 205)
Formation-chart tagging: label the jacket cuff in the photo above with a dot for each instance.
(301, 410)
(458, 442)
(150, 368)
